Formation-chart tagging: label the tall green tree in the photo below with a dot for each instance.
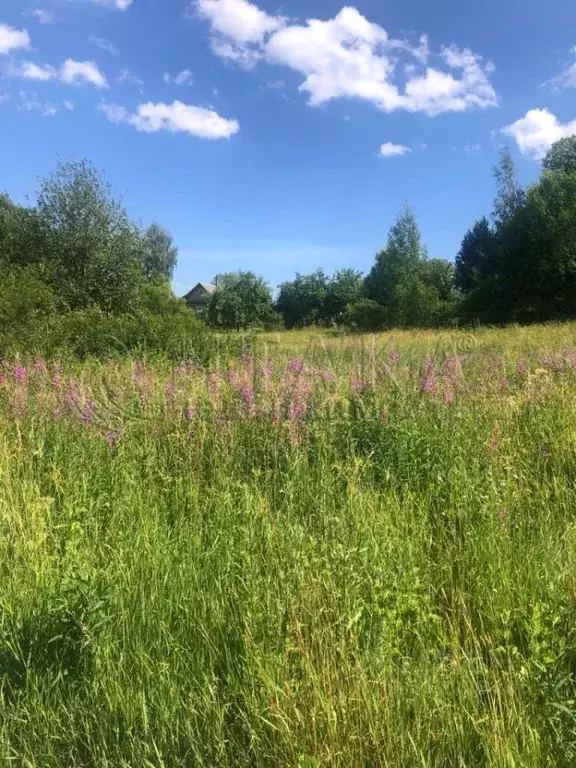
(343, 289)
(538, 270)
(92, 244)
(159, 254)
(392, 278)
(241, 300)
(509, 194)
(561, 156)
(477, 256)
(301, 302)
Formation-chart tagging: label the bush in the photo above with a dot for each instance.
(366, 315)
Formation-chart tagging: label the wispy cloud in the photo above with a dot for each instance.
(42, 16)
(71, 72)
(184, 77)
(103, 44)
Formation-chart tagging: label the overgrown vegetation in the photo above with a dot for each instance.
(77, 276)
(331, 552)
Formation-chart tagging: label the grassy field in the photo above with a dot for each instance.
(335, 551)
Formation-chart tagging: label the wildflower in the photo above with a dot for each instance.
(296, 410)
(296, 365)
(429, 384)
(357, 385)
(87, 415)
(40, 365)
(190, 412)
(21, 374)
(247, 395)
(326, 376)
(521, 368)
(394, 356)
(449, 395)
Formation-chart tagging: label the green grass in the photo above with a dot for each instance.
(195, 572)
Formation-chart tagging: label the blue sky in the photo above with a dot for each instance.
(284, 137)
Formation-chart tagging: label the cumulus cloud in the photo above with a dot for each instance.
(30, 71)
(175, 118)
(71, 72)
(537, 131)
(78, 72)
(238, 28)
(42, 16)
(184, 77)
(13, 39)
(350, 57)
(393, 150)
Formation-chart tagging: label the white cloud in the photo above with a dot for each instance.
(176, 118)
(438, 91)
(566, 79)
(238, 28)
(537, 131)
(103, 44)
(184, 77)
(30, 71)
(120, 5)
(68, 105)
(71, 72)
(126, 76)
(29, 102)
(78, 72)
(393, 150)
(350, 57)
(42, 16)
(13, 39)
(472, 149)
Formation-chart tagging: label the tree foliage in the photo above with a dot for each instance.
(476, 259)
(159, 254)
(561, 156)
(241, 300)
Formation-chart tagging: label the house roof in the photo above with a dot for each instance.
(206, 287)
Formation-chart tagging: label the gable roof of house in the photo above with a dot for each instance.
(205, 287)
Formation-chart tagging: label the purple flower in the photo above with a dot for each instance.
(521, 368)
(21, 374)
(394, 356)
(40, 365)
(296, 410)
(357, 385)
(429, 384)
(296, 365)
(190, 412)
(247, 395)
(326, 376)
(87, 415)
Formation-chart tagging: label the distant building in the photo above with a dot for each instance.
(199, 295)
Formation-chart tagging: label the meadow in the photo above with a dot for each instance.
(329, 551)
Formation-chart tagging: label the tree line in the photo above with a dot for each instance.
(518, 265)
(75, 261)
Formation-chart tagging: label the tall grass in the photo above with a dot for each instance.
(332, 552)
